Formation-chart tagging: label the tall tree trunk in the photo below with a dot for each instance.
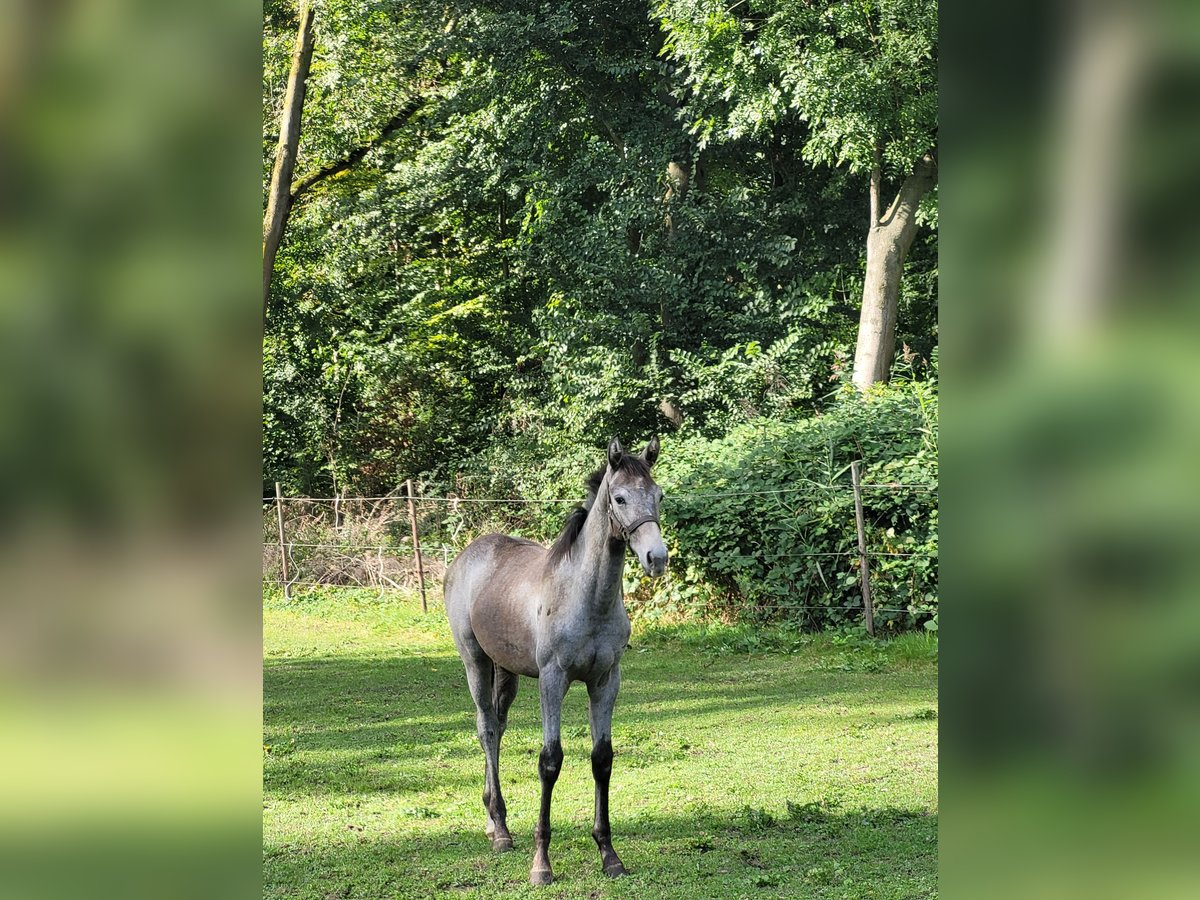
(888, 241)
(279, 199)
(1100, 79)
(679, 179)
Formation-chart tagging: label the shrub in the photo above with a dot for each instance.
(760, 522)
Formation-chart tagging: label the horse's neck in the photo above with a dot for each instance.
(599, 568)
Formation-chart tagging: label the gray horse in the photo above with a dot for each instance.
(557, 615)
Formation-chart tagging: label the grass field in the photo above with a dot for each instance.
(750, 763)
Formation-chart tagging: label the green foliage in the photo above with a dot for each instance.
(507, 265)
(761, 521)
(862, 75)
(511, 278)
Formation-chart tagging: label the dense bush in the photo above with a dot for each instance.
(761, 523)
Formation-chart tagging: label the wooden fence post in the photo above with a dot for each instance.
(412, 520)
(868, 612)
(287, 586)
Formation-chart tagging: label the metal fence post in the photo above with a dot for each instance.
(287, 586)
(412, 520)
(868, 612)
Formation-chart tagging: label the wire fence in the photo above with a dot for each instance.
(690, 495)
(374, 542)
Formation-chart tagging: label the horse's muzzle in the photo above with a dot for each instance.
(655, 562)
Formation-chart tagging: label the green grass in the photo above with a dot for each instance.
(750, 763)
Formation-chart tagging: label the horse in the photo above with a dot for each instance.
(556, 614)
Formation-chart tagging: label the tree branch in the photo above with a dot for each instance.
(355, 156)
(876, 179)
(915, 186)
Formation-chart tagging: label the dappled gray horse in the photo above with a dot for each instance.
(558, 615)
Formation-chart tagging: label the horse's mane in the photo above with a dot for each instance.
(576, 517)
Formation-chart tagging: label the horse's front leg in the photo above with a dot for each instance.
(602, 696)
(553, 684)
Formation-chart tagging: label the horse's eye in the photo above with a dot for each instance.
(620, 501)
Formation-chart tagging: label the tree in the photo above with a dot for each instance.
(283, 192)
(519, 228)
(279, 198)
(862, 77)
(889, 237)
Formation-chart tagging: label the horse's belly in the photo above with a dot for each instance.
(508, 652)
(499, 587)
(505, 636)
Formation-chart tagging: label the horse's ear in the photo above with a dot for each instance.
(615, 452)
(650, 454)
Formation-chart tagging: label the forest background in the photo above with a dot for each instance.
(497, 235)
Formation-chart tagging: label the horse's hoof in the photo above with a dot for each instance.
(541, 876)
(615, 870)
(502, 844)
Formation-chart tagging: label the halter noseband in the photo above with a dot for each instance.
(628, 530)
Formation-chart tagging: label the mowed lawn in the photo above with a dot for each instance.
(750, 763)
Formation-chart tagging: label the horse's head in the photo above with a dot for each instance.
(633, 501)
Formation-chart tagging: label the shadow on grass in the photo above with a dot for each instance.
(359, 725)
(812, 851)
(362, 725)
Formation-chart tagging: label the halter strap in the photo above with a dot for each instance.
(628, 530)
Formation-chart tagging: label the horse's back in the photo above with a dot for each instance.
(491, 594)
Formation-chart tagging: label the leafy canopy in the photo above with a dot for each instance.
(861, 75)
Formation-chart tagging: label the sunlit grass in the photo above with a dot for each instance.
(798, 766)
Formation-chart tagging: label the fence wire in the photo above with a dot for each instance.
(695, 495)
(696, 607)
(363, 563)
(439, 550)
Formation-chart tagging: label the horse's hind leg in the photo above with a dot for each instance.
(504, 691)
(480, 677)
(503, 694)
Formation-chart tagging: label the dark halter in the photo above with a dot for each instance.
(628, 530)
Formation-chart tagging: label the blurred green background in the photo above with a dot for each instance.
(129, 441)
(1072, 433)
(130, 343)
